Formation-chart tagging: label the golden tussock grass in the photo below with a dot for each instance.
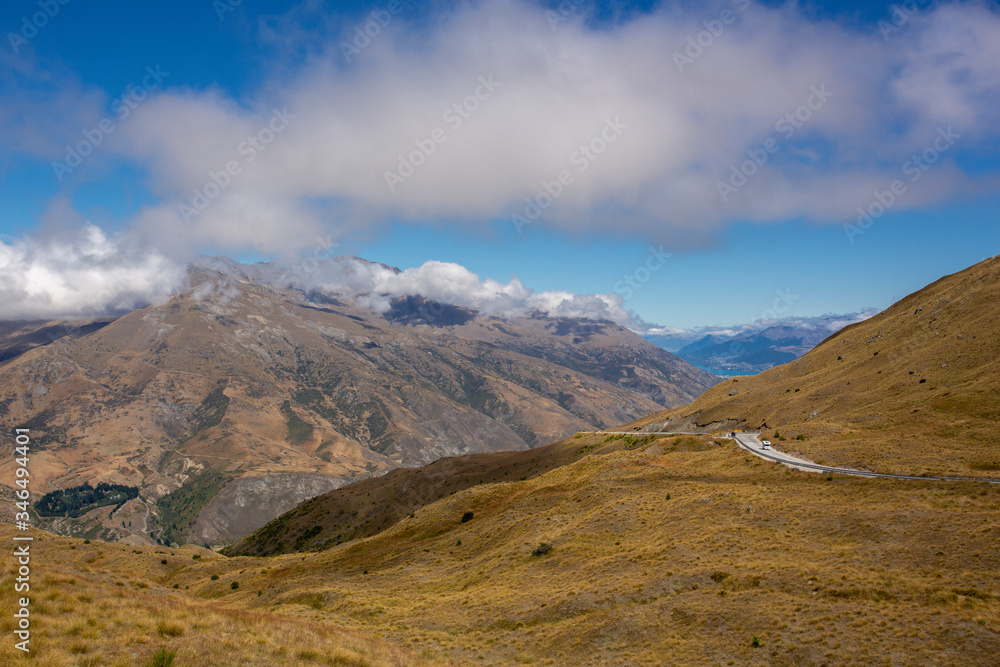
(847, 571)
(123, 613)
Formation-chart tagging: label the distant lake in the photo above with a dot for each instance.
(723, 372)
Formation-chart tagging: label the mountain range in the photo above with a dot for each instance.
(243, 395)
(629, 546)
(751, 348)
(909, 390)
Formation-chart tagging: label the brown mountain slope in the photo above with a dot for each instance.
(372, 505)
(853, 400)
(658, 556)
(238, 399)
(915, 389)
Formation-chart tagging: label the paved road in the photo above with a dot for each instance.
(749, 442)
(643, 434)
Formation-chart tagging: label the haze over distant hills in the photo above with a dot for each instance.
(751, 348)
(243, 395)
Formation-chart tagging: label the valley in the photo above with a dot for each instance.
(637, 544)
(241, 397)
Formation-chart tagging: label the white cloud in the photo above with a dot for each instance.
(81, 274)
(374, 286)
(554, 92)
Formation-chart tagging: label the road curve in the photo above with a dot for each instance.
(749, 442)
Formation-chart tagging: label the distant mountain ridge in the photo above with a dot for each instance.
(242, 377)
(752, 348)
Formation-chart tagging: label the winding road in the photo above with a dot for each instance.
(749, 442)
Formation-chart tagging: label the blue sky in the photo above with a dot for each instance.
(677, 97)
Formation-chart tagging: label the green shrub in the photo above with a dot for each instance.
(755, 642)
(162, 658)
(467, 517)
(234, 585)
(543, 548)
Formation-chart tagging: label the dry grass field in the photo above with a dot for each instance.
(96, 604)
(606, 549)
(667, 551)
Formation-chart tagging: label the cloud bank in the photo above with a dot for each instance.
(374, 286)
(670, 125)
(667, 126)
(81, 274)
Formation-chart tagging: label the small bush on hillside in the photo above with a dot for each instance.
(542, 549)
(234, 585)
(467, 517)
(755, 642)
(169, 629)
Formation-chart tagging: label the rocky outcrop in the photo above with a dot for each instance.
(248, 503)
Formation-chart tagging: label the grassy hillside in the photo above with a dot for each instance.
(914, 389)
(98, 604)
(680, 550)
(372, 505)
